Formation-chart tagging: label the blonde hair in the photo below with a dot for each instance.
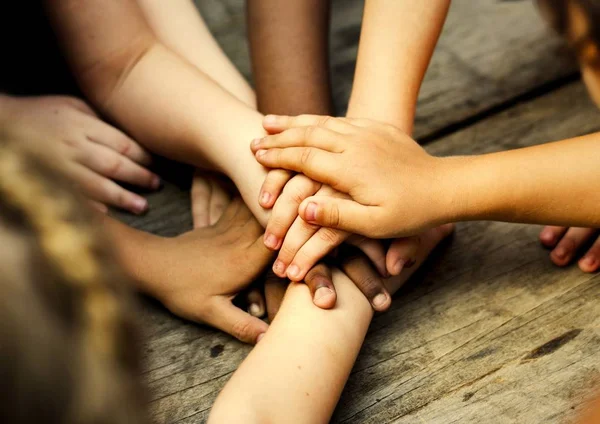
(67, 335)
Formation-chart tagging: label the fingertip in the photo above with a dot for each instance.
(138, 205)
(294, 273)
(548, 238)
(310, 211)
(270, 121)
(325, 298)
(381, 302)
(589, 263)
(260, 337)
(271, 241)
(266, 200)
(155, 182)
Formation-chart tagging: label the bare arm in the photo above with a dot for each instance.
(296, 374)
(290, 56)
(396, 44)
(180, 27)
(186, 116)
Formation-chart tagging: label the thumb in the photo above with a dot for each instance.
(343, 214)
(374, 249)
(229, 318)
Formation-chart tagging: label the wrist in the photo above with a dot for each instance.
(455, 176)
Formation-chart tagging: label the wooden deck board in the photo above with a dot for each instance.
(460, 342)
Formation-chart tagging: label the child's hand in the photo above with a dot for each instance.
(197, 275)
(397, 189)
(95, 152)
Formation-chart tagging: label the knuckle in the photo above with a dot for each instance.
(370, 285)
(242, 330)
(113, 167)
(306, 156)
(329, 236)
(333, 215)
(324, 120)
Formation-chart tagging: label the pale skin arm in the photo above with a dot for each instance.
(396, 43)
(297, 372)
(186, 115)
(180, 27)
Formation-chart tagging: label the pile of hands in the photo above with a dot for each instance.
(350, 192)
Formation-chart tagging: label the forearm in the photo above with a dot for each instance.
(289, 49)
(137, 252)
(298, 370)
(554, 183)
(396, 44)
(180, 27)
(163, 101)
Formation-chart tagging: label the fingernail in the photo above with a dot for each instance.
(254, 309)
(256, 142)
(271, 241)
(270, 120)
(547, 235)
(139, 204)
(260, 153)
(260, 336)
(379, 300)
(311, 212)
(155, 184)
(265, 198)
(589, 261)
(293, 271)
(322, 292)
(279, 267)
(560, 253)
(397, 268)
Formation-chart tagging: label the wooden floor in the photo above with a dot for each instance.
(488, 331)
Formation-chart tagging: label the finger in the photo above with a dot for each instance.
(314, 163)
(285, 210)
(568, 246)
(111, 164)
(402, 254)
(256, 303)
(374, 249)
(200, 197)
(227, 317)
(105, 191)
(278, 123)
(272, 186)
(550, 235)
(359, 269)
(316, 248)
(81, 106)
(108, 136)
(98, 206)
(299, 233)
(343, 214)
(219, 200)
(319, 137)
(320, 284)
(591, 261)
(275, 288)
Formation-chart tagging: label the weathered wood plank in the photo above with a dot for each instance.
(490, 52)
(459, 345)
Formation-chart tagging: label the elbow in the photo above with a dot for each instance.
(102, 80)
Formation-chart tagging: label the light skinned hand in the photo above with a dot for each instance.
(396, 188)
(198, 274)
(96, 153)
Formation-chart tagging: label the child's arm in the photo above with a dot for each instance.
(162, 100)
(180, 27)
(396, 43)
(401, 189)
(289, 52)
(298, 370)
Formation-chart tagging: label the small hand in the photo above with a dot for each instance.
(396, 188)
(96, 153)
(198, 274)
